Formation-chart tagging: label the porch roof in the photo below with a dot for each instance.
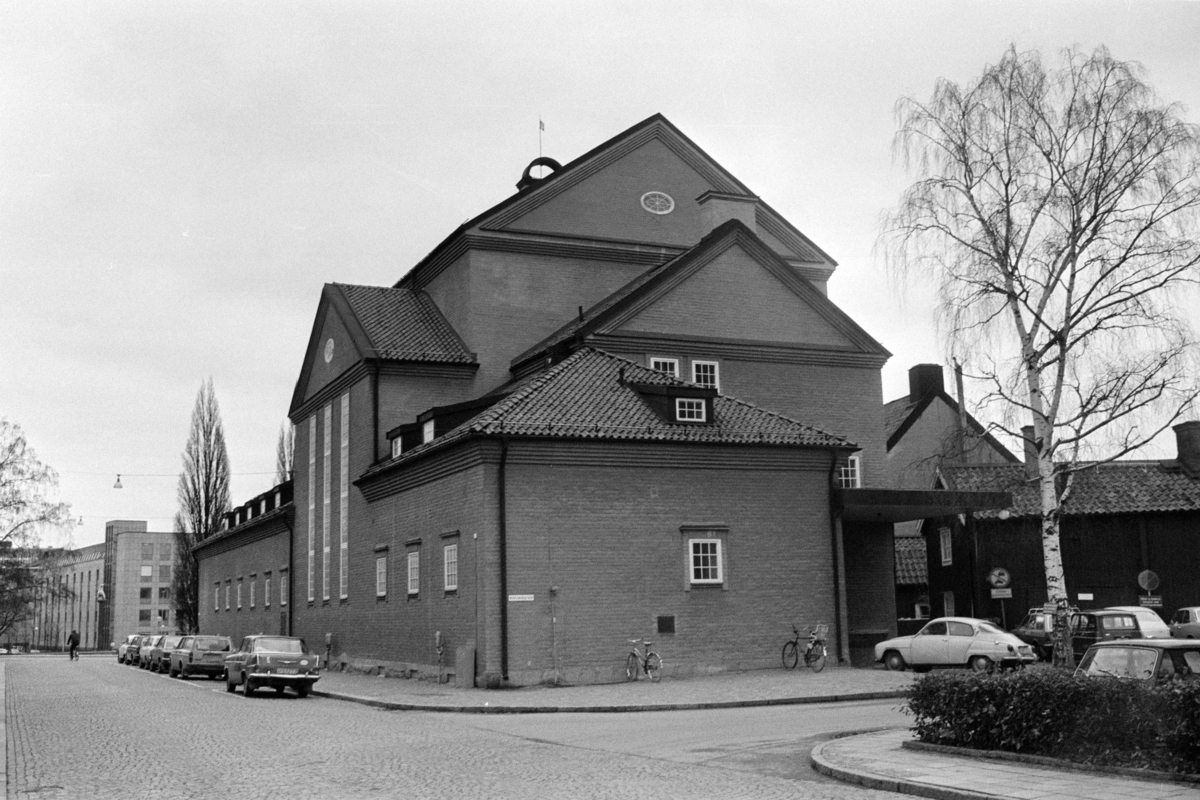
(899, 505)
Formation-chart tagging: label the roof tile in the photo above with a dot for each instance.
(404, 325)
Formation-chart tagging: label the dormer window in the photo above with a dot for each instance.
(397, 447)
(667, 366)
(689, 409)
(427, 432)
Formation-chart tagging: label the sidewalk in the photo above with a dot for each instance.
(762, 687)
(879, 761)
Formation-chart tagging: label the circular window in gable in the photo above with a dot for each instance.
(658, 202)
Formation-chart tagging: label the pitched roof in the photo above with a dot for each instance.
(1114, 487)
(611, 309)
(404, 325)
(901, 414)
(912, 568)
(591, 395)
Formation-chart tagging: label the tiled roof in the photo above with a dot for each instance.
(1114, 487)
(911, 566)
(589, 396)
(404, 325)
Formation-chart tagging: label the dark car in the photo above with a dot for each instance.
(1143, 659)
(1036, 630)
(156, 657)
(1106, 624)
(199, 655)
(133, 652)
(274, 661)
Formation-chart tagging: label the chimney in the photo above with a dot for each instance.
(1032, 448)
(1187, 443)
(924, 380)
(717, 208)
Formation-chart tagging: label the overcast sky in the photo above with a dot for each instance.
(178, 180)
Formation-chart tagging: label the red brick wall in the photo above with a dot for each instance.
(247, 563)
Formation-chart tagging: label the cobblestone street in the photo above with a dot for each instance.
(94, 729)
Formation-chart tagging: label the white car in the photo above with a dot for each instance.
(1150, 623)
(955, 642)
(1186, 623)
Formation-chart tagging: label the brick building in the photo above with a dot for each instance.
(617, 404)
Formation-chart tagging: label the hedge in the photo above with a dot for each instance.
(1050, 712)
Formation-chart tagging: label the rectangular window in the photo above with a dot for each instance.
(147, 573)
(164, 593)
(312, 501)
(414, 572)
(228, 589)
(217, 597)
(144, 594)
(705, 560)
(947, 604)
(147, 551)
(144, 615)
(326, 500)
(947, 547)
(239, 594)
(283, 587)
(396, 445)
(450, 567)
(166, 551)
(253, 581)
(164, 572)
(344, 503)
(689, 409)
(669, 366)
(381, 575)
(267, 590)
(706, 374)
(850, 473)
(164, 615)
(427, 431)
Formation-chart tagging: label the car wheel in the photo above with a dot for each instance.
(302, 690)
(980, 664)
(922, 669)
(172, 672)
(894, 661)
(229, 684)
(248, 687)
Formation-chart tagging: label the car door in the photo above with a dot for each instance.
(929, 645)
(958, 643)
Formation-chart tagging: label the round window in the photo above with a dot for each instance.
(658, 203)
(328, 350)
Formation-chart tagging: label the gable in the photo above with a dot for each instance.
(734, 296)
(319, 372)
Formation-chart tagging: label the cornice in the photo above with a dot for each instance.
(739, 350)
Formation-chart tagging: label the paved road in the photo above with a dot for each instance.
(93, 729)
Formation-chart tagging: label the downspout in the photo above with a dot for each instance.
(837, 556)
(374, 412)
(503, 561)
(291, 576)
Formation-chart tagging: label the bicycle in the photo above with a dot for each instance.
(814, 652)
(649, 662)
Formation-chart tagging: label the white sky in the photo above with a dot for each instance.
(178, 180)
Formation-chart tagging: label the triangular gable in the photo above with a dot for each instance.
(335, 323)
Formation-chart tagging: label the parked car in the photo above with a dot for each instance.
(156, 657)
(146, 648)
(274, 661)
(199, 655)
(955, 642)
(1036, 628)
(123, 647)
(135, 646)
(1116, 622)
(1142, 659)
(1185, 624)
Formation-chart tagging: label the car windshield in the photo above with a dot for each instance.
(172, 641)
(214, 644)
(1120, 662)
(987, 627)
(277, 644)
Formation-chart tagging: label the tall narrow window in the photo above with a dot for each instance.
(381, 575)
(228, 589)
(947, 546)
(850, 473)
(312, 503)
(450, 567)
(669, 366)
(239, 594)
(344, 502)
(253, 581)
(326, 500)
(414, 572)
(427, 431)
(266, 590)
(706, 374)
(283, 587)
(947, 604)
(217, 597)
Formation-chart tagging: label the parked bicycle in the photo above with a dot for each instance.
(648, 662)
(814, 651)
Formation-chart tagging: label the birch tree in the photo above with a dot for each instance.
(1054, 208)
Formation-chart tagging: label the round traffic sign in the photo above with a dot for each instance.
(999, 578)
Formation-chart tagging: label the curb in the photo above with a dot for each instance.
(870, 780)
(391, 705)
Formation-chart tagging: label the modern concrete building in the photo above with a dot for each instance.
(138, 569)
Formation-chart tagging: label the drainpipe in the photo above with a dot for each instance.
(503, 561)
(835, 545)
(374, 412)
(291, 576)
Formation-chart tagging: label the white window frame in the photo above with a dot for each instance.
(253, 581)
(344, 503)
(667, 366)
(450, 567)
(239, 594)
(217, 597)
(427, 431)
(381, 575)
(266, 590)
(228, 590)
(946, 540)
(850, 473)
(414, 572)
(716, 374)
(312, 505)
(696, 552)
(697, 410)
(397, 447)
(327, 501)
(283, 587)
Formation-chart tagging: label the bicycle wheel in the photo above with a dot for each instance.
(791, 655)
(653, 667)
(814, 657)
(631, 667)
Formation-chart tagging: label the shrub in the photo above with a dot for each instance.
(1051, 712)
